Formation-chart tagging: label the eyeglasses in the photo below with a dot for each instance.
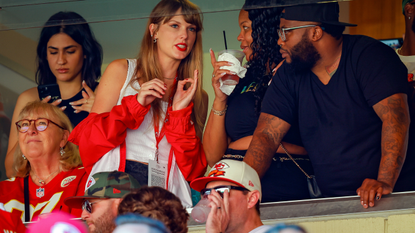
(86, 205)
(281, 32)
(40, 123)
(221, 189)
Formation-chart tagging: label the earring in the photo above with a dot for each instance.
(62, 151)
(24, 157)
(155, 40)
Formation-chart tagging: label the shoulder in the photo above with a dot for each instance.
(77, 174)
(361, 44)
(28, 96)
(10, 185)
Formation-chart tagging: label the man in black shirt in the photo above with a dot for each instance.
(348, 94)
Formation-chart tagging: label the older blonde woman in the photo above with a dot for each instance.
(48, 166)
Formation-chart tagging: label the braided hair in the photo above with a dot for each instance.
(265, 51)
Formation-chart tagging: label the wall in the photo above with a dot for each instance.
(380, 19)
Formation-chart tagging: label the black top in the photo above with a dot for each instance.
(339, 128)
(69, 111)
(241, 118)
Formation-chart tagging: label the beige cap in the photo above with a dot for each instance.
(237, 172)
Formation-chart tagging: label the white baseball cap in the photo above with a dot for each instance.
(237, 172)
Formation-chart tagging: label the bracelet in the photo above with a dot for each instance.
(219, 113)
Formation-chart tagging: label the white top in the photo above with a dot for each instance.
(261, 229)
(142, 141)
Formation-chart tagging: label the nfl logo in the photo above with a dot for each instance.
(40, 192)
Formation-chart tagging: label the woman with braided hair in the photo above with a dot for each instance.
(233, 119)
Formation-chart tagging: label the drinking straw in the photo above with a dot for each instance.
(224, 38)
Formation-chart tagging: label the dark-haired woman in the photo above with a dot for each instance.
(233, 119)
(68, 55)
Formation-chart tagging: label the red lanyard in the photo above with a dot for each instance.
(160, 135)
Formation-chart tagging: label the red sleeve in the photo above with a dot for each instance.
(97, 134)
(187, 147)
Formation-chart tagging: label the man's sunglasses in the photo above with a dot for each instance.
(221, 189)
(87, 205)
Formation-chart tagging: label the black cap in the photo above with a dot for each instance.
(327, 13)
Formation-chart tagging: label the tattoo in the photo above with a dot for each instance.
(267, 137)
(394, 113)
(331, 70)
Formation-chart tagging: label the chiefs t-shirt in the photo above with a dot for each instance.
(44, 199)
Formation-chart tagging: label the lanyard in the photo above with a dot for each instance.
(160, 134)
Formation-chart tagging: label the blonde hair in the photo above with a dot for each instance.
(147, 62)
(69, 160)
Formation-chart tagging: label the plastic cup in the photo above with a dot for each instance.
(201, 211)
(230, 79)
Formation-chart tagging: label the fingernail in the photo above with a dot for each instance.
(59, 100)
(71, 103)
(230, 63)
(210, 49)
(63, 108)
(223, 73)
(73, 106)
(83, 81)
(361, 202)
(233, 73)
(76, 111)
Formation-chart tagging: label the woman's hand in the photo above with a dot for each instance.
(55, 103)
(182, 98)
(150, 91)
(84, 104)
(217, 74)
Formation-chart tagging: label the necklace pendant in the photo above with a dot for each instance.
(42, 182)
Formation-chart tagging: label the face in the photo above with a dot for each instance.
(238, 205)
(297, 50)
(175, 38)
(65, 57)
(245, 35)
(104, 212)
(42, 144)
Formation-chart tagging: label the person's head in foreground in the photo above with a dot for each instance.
(307, 29)
(234, 191)
(131, 223)
(43, 131)
(282, 228)
(157, 203)
(103, 195)
(57, 222)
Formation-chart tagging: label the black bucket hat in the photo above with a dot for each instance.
(327, 13)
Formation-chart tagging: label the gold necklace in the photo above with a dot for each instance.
(43, 181)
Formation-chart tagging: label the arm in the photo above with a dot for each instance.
(181, 133)
(109, 87)
(267, 137)
(99, 133)
(187, 147)
(215, 139)
(394, 113)
(24, 98)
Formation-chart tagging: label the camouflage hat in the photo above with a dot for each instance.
(105, 185)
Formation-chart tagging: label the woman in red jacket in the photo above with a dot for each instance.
(149, 112)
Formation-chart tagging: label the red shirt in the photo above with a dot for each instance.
(44, 199)
(11, 223)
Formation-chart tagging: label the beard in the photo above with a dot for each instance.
(303, 56)
(104, 224)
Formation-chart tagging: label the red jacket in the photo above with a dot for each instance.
(99, 133)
